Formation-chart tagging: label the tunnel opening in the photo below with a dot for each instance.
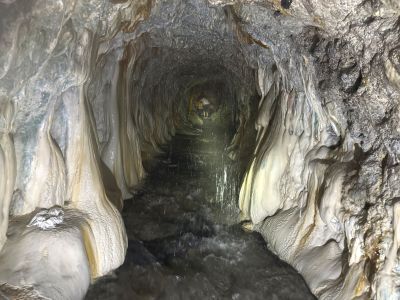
(184, 149)
(183, 224)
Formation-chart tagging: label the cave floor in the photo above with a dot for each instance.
(184, 238)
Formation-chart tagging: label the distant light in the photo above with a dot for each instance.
(204, 101)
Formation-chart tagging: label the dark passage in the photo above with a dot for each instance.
(181, 244)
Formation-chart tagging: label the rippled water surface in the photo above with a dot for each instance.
(184, 240)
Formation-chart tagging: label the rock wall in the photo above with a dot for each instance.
(89, 90)
(63, 95)
(321, 188)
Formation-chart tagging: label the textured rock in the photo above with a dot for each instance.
(324, 153)
(49, 261)
(7, 165)
(89, 90)
(48, 218)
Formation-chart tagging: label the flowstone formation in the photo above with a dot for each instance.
(89, 90)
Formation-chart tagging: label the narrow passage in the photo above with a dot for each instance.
(184, 238)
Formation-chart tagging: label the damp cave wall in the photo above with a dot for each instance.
(88, 88)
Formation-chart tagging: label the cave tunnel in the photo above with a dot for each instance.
(199, 149)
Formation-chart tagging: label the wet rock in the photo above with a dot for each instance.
(138, 254)
(351, 79)
(90, 92)
(286, 3)
(48, 218)
(394, 56)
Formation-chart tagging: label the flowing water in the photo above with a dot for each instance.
(184, 238)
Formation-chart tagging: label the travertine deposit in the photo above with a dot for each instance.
(89, 90)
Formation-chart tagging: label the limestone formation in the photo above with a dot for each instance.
(90, 90)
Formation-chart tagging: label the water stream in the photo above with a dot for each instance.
(184, 238)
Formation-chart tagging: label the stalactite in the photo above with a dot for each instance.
(7, 165)
(46, 187)
(107, 232)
